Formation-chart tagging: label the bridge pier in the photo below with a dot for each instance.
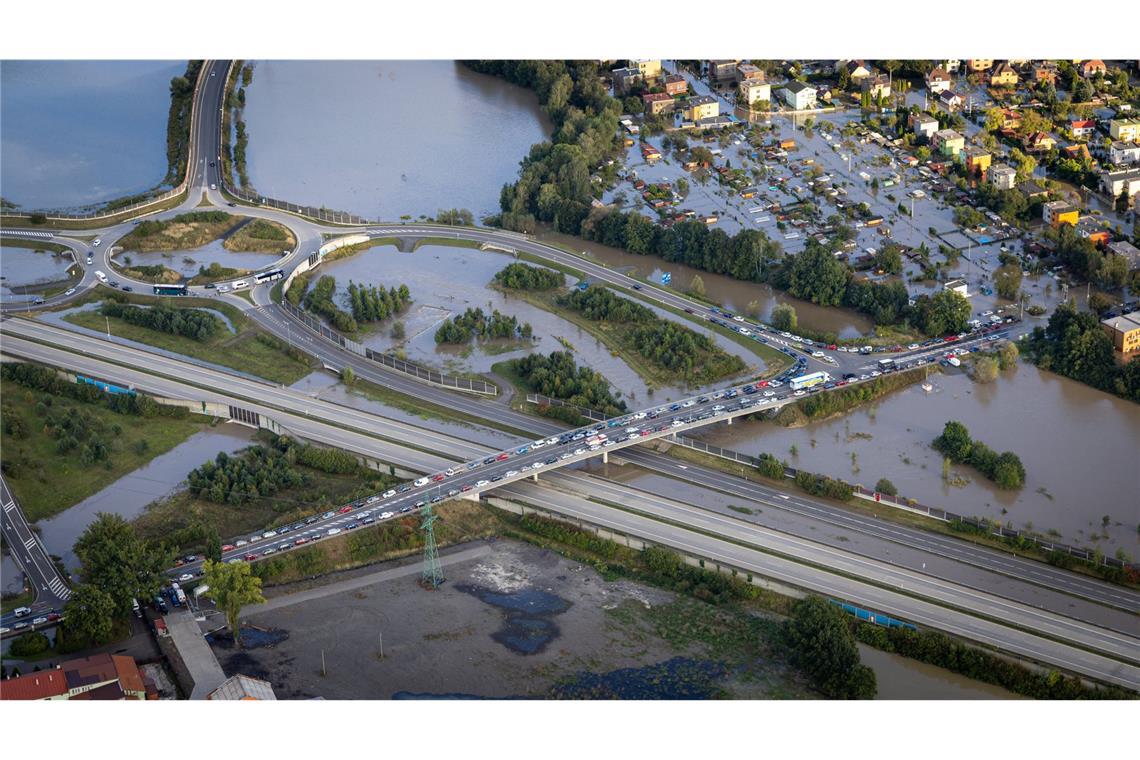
(730, 419)
(605, 457)
(534, 477)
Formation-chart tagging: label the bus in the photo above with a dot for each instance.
(270, 276)
(885, 364)
(808, 381)
(171, 290)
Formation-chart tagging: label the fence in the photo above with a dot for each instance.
(398, 365)
(994, 529)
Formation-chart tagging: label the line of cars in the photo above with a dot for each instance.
(25, 621)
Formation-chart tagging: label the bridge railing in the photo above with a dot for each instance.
(937, 513)
(412, 369)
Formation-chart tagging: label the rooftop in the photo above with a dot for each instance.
(1123, 323)
(796, 87)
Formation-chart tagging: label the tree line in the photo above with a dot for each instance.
(1075, 345)
(319, 300)
(178, 122)
(43, 379)
(375, 304)
(520, 276)
(235, 480)
(558, 376)
(188, 323)
(474, 322)
(1004, 469)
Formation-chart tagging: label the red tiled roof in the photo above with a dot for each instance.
(43, 685)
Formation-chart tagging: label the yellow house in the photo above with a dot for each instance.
(1125, 130)
(1124, 331)
(649, 68)
(1056, 213)
(702, 107)
(979, 64)
(1003, 76)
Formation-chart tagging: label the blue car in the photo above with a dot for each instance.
(522, 449)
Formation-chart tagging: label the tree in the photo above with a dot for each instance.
(90, 613)
(1099, 303)
(214, 545)
(955, 441)
(886, 487)
(30, 645)
(347, 376)
(115, 560)
(819, 277)
(985, 369)
(1007, 281)
(232, 587)
(946, 312)
(697, 286)
(398, 330)
(784, 317)
(1008, 355)
(1008, 472)
(822, 645)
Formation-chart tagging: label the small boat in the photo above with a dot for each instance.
(927, 387)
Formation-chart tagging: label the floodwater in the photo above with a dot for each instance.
(734, 295)
(900, 677)
(1038, 415)
(11, 576)
(445, 281)
(83, 132)
(25, 266)
(129, 495)
(187, 262)
(386, 138)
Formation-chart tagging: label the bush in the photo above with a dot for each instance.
(525, 277)
(30, 645)
(823, 646)
(821, 485)
(770, 467)
(885, 486)
(1005, 469)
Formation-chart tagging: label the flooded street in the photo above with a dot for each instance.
(387, 138)
(446, 281)
(899, 677)
(1069, 486)
(24, 266)
(187, 263)
(83, 132)
(129, 495)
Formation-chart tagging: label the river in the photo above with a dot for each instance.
(387, 138)
(129, 495)
(1079, 447)
(83, 132)
(901, 678)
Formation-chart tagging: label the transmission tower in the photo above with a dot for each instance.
(433, 573)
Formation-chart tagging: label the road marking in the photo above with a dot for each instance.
(30, 543)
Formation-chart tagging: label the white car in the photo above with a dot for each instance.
(268, 551)
(332, 531)
(69, 291)
(718, 408)
(269, 534)
(242, 542)
(875, 373)
(511, 473)
(388, 494)
(769, 393)
(483, 484)
(738, 318)
(688, 403)
(97, 242)
(912, 347)
(567, 455)
(676, 423)
(799, 393)
(223, 288)
(385, 515)
(420, 483)
(640, 415)
(579, 452)
(537, 465)
(449, 471)
(538, 444)
(186, 577)
(817, 354)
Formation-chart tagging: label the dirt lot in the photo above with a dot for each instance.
(515, 621)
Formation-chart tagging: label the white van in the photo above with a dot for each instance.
(239, 285)
(102, 277)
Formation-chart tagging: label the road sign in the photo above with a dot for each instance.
(666, 278)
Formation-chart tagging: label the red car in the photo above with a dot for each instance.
(466, 487)
(250, 557)
(762, 384)
(831, 347)
(53, 616)
(300, 541)
(228, 548)
(344, 509)
(437, 477)
(502, 456)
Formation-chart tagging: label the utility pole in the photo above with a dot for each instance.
(432, 574)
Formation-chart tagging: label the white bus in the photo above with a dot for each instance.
(808, 381)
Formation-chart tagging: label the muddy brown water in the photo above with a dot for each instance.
(901, 678)
(1079, 447)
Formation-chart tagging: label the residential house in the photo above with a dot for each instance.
(746, 72)
(1003, 76)
(1082, 128)
(98, 677)
(949, 142)
(1003, 176)
(1128, 251)
(951, 65)
(702, 107)
(950, 100)
(938, 80)
(1124, 332)
(675, 84)
(979, 64)
(1039, 142)
(657, 102)
(244, 688)
(723, 70)
(879, 86)
(1120, 181)
(799, 96)
(1046, 72)
(977, 160)
(1092, 231)
(1089, 69)
(755, 91)
(1056, 213)
(1033, 191)
(625, 79)
(650, 68)
(1125, 130)
(1077, 152)
(857, 71)
(1122, 153)
(957, 286)
(924, 126)
(649, 153)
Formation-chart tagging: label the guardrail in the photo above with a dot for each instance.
(391, 362)
(994, 529)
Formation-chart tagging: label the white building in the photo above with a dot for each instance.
(754, 91)
(1003, 177)
(799, 96)
(1122, 153)
(1121, 180)
(957, 286)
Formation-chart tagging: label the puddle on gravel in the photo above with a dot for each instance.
(527, 625)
